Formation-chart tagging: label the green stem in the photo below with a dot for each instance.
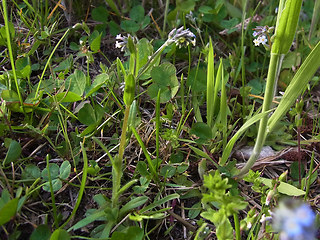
(117, 161)
(54, 208)
(237, 226)
(5, 16)
(274, 66)
(165, 16)
(82, 186)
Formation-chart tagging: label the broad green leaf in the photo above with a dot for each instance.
(286, 26)
(137, 13)
(8, 211)
(65, 170)
(100, 14)
(10, 96)
(68, 97)
(87, 115)
(65, 64)
(42, 232)
(76, 82)
(31, 172)
(142, 169)
(60, 234)
(195, 210)
(130, 26)
(13, 153)
(97, 83)
(3, 35)
(56, 185)
(129, 90)
(201, 130)
(54, 172)
(129, 233)
(95, 41)
(23, 67)
(197, 80)
(284, 188)
(185, 5)
(164, 78)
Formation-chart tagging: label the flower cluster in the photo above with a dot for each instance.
(262, 34)
(123, 40)
(295, 222)
(182, 37)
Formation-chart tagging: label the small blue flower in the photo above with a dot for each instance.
(292, 228)
(305, 216)
(294, 222)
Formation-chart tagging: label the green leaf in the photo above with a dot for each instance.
(297, 86)
(76, 82)
(185, 5)
(31, 172)
(65, 170)
(87, 115)
(100, 14)
(142, 169)
(129, 233)
(201, 130)
(95, 41)
(159, 202)
(97, 83)
(287, 21)
(60, 234)
(197, 80)
(10, 96)
(232, 141)
(87, 220)
(137, 13)
(164, 79)
(8, 211)
(130, 26)
(42, 232)
(67, 97)
(56, 185)
(284, 188)
(195, 210)
(65, 65)
(23, 66)
(129, 90)
(132, 204)
(3, 35)
(14, 152)
(54, 172)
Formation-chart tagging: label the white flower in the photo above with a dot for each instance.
(123, 40)
(263, 39)
(256, 42)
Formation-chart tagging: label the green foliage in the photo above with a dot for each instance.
(57, 174)
(218, 195)
(13, 153)
(138, 21)
(8, 207)
(148, 126)
(164, 79)
(41, 232)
